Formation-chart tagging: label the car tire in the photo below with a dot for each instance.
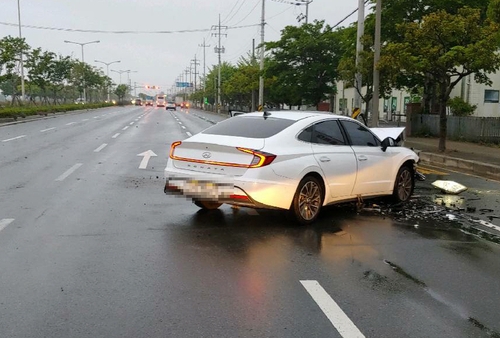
(308, 200)
(403, 184)
(207, 205)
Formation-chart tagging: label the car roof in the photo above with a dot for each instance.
(295, 115)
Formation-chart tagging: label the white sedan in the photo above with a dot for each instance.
(296, 161)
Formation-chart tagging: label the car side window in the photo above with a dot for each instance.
(360, 135)
(306, 134)
(328, 132)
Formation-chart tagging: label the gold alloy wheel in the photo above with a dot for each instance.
(309, 200)
(405, 184)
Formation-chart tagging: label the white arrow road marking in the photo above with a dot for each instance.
(116, 135)
(5, 222)
(69, 172)
(14, 138)
(69, 124)
(43, 131)
(189, 134)
(101, 147)
(147, 155)
(333, 312)
(125, 128)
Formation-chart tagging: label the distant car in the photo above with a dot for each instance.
(148, 103)
(296, 161)
(80, 101)
(185, 105)
(171, 105)
(138, 102)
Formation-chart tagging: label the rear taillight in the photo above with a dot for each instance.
(172, 148)
(260, 158)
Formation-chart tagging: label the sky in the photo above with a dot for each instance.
(158, 59)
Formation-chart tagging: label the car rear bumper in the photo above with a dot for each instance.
(243, 191)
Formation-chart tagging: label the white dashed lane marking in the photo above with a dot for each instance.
(333, 312)
(101, 147)
(189, 134)
(69, 124)
(69, 172)
(125, 128)
(183, 127)
(116, 135)
(131, 123)
(44, 130)
(5, 222)
(14, 138)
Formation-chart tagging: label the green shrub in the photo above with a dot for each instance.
(15, 112)
(459, 107)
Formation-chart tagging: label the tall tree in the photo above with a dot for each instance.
(10, 57)
(306, 58)
(445, 47)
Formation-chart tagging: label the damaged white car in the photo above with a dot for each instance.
(296, 161)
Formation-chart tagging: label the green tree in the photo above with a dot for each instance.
(120, 91)
(445, 48)
(306, 58)
(459, 107)
(10, 57)
(40, 67)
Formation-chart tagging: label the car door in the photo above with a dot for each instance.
(334, 156)
(375, 167)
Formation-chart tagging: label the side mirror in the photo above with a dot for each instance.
(388, 142)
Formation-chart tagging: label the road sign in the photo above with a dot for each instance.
(355, 112)
(260, 107)
(184, 84)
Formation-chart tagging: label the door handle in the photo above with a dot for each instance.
(362, 158)
(324, 159)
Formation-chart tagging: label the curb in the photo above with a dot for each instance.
(479, 168)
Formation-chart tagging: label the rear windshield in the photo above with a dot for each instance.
(249, 126)
(160, 97)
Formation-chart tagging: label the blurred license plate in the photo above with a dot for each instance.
(205, 189)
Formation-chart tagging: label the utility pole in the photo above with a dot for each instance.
(204, 46)
(358, 82)
(253, 60)
(187, 71)
(219, 50)
(376, 59)
(262, 48)
(195, 62)
(107, 72)
(21, 52)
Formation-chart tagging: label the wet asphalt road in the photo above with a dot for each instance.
(91, 247)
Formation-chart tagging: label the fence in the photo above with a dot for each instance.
(472, 129)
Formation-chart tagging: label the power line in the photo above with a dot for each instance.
(231, 18)
(348, 16)
(231, 11)
(251, 11)
(121, 32)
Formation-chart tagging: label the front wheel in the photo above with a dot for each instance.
(308, 200)
(207, 205)
(404, 184)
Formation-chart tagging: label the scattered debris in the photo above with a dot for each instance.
(449, 187)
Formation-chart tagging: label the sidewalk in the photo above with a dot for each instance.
(471, 157)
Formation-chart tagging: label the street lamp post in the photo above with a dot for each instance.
(22, 62)
(120, 72)
(83, 61)
(128, 80)
(107, 72)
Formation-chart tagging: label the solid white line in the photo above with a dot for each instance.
(14, 138)
(5, 222)
(125, 128)
(189, 134)
(333, 312)
(101, 147)
(183, 127)
(69, 124)
(43, 131)
(131, 123)
(69, 172)
(116, 135)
